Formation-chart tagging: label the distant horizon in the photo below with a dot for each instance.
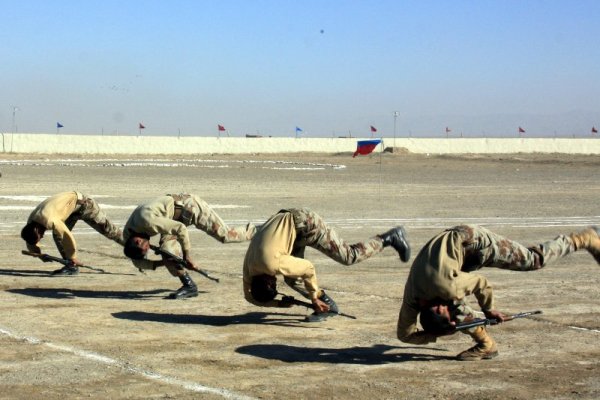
(333, 68)
(452, 135)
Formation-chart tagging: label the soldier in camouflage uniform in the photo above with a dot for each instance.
(60, 213)
(278, 248)
(440, 280)
(168, 216)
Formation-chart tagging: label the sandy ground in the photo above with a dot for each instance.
(113, 335)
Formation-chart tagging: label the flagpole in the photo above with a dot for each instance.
(395, 118)
(381, 169)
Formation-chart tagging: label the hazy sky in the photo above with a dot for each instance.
(332, 68)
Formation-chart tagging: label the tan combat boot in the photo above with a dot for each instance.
(485, 348)
(588, 239)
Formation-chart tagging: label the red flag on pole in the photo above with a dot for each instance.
(521, 130)
(594, 130)
(373, 129)
(141, 126)
(221, 128)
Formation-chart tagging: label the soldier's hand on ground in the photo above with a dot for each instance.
(76, 262)
(494, 314)
(319, 306)
(286, 301)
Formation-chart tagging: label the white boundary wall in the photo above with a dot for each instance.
(97, 144)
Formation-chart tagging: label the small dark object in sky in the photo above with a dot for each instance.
(322, 31)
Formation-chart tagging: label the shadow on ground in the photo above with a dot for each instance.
(64, 293)
(48, 273)
(374, 355)
(258, 318)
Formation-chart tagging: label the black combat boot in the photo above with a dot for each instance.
(333, 308)
(396, 238)
(318, 316)
(67, 270)
(189, 288)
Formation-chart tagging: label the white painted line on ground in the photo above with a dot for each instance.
(191, 386)
(578, 328)
(172, 163)
(40, 198)
(113, 207)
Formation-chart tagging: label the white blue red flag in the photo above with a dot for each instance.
(365, 147)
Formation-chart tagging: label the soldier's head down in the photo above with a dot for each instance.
(436, 319)
(136, 246)
(263, 288)
(33, 232)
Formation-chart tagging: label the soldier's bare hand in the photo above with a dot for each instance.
(76, 262)
(320, 307)
(494, 314)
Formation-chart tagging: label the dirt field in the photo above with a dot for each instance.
(112, 335)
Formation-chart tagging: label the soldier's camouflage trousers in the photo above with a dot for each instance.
(312, 231)
(197, 212)
(484, 248)
(89, 211)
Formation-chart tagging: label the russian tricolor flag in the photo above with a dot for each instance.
(365, 147)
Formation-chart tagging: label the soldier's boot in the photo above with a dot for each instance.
(588, 239)
(189, 288)
(396, 238)
(67, 270)
(333, 308)
(485, 348)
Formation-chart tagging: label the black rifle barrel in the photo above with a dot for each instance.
(181, 262)
(492, 321)
(47, 257)
(59, 260)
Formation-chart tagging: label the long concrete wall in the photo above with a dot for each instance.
(96, 144)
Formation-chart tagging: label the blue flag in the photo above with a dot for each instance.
(58, 125)
(298, 129)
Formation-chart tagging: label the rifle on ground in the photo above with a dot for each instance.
(181, 262)
(63, 261)
(493, 321)
(306, 304)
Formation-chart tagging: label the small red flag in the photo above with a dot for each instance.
(221, 128)
(142, 126)
(594, 130)
(373, 129)
(521, 130)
